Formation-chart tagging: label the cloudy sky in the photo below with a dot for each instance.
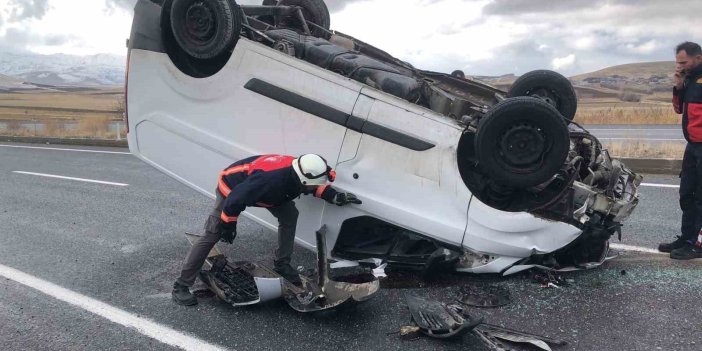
(482, 37)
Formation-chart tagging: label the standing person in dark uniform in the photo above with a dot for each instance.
(269, 181)
(687, 100)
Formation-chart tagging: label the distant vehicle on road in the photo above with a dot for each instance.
(452, 171)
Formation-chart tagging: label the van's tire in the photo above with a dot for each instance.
(315, 11)
(521, 142)
(549, 86)
(458, 74)
(205, 29)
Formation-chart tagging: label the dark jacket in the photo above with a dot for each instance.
(262, 181)
(688, 101)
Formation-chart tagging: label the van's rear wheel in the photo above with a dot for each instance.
(205, 29)
(549, 86)
(195, 55)
(522, 142)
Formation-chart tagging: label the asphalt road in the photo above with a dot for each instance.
(123, 246)
(640, 133)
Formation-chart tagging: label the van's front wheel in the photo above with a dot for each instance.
(522, 142)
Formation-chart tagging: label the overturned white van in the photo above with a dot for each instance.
(449, 169)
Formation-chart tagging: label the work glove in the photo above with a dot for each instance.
(341, 199)
(227, 232)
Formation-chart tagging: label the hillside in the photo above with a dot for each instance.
(641, 70)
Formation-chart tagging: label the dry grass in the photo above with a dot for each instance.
(92, 100)
(61, 105)
(641, 149)
(89, 113)
(55, 128)
(626, 113)
(89, 128)
(95, 127)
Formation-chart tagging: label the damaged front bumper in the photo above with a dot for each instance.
(570, 221)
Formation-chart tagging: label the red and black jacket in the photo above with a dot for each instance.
(688, 101)
(262, 181)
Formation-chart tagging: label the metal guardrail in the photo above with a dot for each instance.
(65, 141)
(653, 165)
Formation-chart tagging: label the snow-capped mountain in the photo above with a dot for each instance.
(60, 69)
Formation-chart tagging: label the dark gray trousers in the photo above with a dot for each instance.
(286, 214)
(691, 192)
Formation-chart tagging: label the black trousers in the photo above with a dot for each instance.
(691, 192)
(286, 214)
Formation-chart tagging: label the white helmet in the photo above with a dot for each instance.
(312, 169)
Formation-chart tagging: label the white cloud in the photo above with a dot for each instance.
(479, 36)
(85, 26)
(585, 43)
(645, 48)
(560, 63)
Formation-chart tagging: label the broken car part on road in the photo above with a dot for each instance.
(442, 321)
(484, 295)
(246, 283)
(495, 336)
(437, 319)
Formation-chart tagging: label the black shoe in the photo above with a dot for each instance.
(181, 295)
(289, 273)
(669, 247)
(687, 252)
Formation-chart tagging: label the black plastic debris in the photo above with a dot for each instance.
(495, 337)
(247, 283)
(203, 293)
(548, 279)
(233, 284)
(484, 296)
(442, 321)
(442, 260)
(438, 320)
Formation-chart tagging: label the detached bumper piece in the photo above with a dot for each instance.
(442, 321)
(437, 319)
(243, 283)
(246, 283)
(494, 336)
(324, 293)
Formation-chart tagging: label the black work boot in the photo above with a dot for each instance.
(181, 295)
(289, 273)
(687, 252)
(669, 247)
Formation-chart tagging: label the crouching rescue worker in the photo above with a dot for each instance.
(272, 182)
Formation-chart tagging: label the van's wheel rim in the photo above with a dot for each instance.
(522, 147)
(545, 95)
(200, 23)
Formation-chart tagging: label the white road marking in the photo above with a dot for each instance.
(642, 139)
(636, 249)
(634, 129)
(144, 326)
(60, 149)
(70, 178)
(652, 185)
